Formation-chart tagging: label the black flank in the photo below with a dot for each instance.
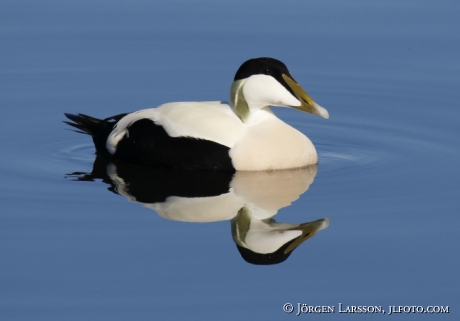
(149, 144)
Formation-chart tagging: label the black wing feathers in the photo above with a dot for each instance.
(147, 143)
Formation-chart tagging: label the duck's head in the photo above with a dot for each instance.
(262, 82)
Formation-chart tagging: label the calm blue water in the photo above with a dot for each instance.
(388, 179)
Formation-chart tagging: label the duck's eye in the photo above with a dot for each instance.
(267, 72)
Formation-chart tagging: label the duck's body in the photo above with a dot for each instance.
(241, 135)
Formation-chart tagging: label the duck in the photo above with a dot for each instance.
(243, 134)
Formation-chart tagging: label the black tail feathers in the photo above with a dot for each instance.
(85, 124)
(98, 129)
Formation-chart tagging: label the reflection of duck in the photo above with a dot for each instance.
(249, 199)
(242, 135)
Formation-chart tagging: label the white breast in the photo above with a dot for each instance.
(268, 144)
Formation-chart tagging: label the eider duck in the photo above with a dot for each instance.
(242, 135)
